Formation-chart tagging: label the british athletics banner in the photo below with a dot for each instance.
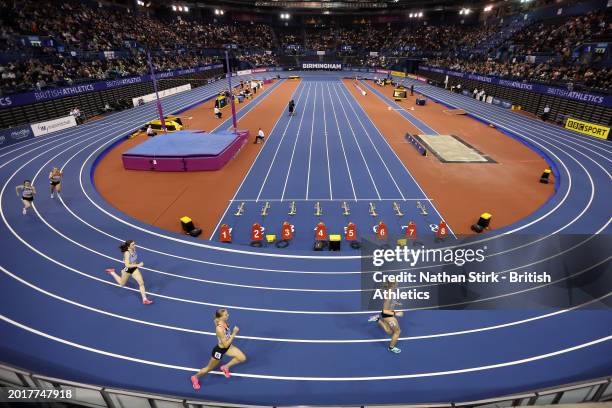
(28, 98)
(591, 98)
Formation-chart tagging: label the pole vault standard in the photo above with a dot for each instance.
(159, 105)
(229, 82)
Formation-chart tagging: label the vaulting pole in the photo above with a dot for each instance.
(159, 105)
(229, 81)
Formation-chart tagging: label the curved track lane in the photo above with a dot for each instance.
(300, 315)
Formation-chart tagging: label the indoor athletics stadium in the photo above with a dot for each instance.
(295, 203)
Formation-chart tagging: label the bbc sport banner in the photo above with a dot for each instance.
(586, 128)
(591, 98)
(28, 98)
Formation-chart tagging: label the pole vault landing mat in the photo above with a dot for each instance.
(451, 149)
(185, 150)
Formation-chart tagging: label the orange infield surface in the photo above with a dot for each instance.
(509, 188)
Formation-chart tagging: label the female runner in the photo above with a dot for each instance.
(131, 269)
(55, 179)
(387, 319)
(224, 346)
(26, 192)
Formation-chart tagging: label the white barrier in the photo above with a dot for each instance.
(140, 100)
(53, 125)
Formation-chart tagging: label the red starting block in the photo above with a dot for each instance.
(381, 231)
(442, 230)
(225, 233)
(350, 232)
(287, 231)
(411, 230)
(256, 232)
(320, 232)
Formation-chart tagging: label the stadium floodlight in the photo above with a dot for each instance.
(186, 9)
(180, 8)
(420, 14)
(173, 8)
(488, 8)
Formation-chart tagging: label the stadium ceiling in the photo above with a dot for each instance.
(347, 5)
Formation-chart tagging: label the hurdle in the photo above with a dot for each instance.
(239, 210)
(397, 209)
(372, 209)
(318, 209)
(345, 207)
(265, 208)
(292, 208)
(421, 208)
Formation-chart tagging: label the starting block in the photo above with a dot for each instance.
(372, 209)
(397, 209)
(292, 208)
(421, 207)
(239, 210)
(265, 208)
(318, 209)
(345, 207)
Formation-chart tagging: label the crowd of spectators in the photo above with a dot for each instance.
(546, 72)
(77, 32)
(560, 38)
(24, 75)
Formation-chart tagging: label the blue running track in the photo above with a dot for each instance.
(302, 324)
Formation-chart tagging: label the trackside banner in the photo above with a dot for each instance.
(587, 128)
(162, 94)
(28, 98)
(53, 125)
(331, 66)
(591, 98)
(14, 135)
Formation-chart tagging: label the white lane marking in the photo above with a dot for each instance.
(286, 340)
(280, 142)
(297, 136)
(356, 141)
(212, 235)
(314, 108)
(288, 378)
(398, 159)
(331, 194)
(342, 92)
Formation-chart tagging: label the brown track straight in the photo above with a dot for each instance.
(508, 189)
(161, 199)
